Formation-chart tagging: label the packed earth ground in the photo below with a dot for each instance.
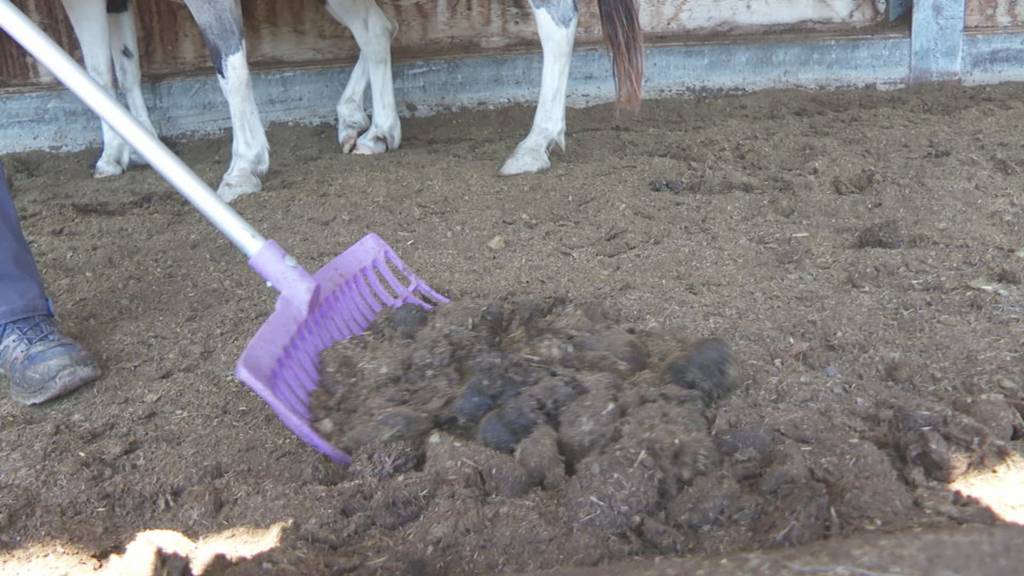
(854, 259)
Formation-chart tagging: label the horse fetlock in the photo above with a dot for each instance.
(352, 116)
(546, 135)
(249, 156)
(262, 163)
(559, 140)
(142, 115)
(136, 159)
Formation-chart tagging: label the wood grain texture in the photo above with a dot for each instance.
(300, 32)
(994, 13)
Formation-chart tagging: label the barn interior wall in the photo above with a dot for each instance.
(299, 32)
(983, 14)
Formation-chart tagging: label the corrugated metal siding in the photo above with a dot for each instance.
(300, 32)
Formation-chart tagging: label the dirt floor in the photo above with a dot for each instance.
(857, 254)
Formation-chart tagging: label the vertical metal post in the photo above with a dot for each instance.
(936, 40)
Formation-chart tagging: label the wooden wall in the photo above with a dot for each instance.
(300, 32)
(994, 14)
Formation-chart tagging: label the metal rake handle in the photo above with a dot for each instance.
(180, 176)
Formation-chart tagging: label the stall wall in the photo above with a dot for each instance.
(301, 33)
(994, 14)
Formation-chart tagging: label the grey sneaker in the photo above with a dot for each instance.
(40, 362)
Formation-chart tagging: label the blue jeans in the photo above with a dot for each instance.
(21, 288)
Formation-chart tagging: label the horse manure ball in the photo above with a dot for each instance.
(707, 367)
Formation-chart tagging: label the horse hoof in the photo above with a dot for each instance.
(137, 160)
(234, 186)
(372, 145)
(525, 162)
(106, 169)
(347, 138)
(379, 139)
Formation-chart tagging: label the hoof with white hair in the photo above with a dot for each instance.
(112, 163)
(531, 155)
(352, 121)
(348, 136)
(106, 169)
(526, 160)
(378, 141)
(234, 186)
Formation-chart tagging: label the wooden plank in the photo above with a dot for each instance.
(300, 32)
(994, 14)
(15, 66)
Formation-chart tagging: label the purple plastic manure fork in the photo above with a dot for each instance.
(338, 302)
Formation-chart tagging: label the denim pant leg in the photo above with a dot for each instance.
(21, 288)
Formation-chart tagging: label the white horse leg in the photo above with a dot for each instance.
(250, 151)
(556, 24)
(89, 20)
(352, 118)
(372, 31)
(124, 48)
(221, 24)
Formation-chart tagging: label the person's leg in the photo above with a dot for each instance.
(21, 289)
(39, 361)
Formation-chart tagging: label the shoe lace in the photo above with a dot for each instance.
(28, 332)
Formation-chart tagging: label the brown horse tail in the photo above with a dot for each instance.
(620, 20)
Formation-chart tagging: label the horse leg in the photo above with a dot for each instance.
(220, 22)
(556, 24)
(352, 118)
(372, 31)
(89, 20)
(124, 48)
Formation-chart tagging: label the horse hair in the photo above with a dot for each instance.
(620, 21)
